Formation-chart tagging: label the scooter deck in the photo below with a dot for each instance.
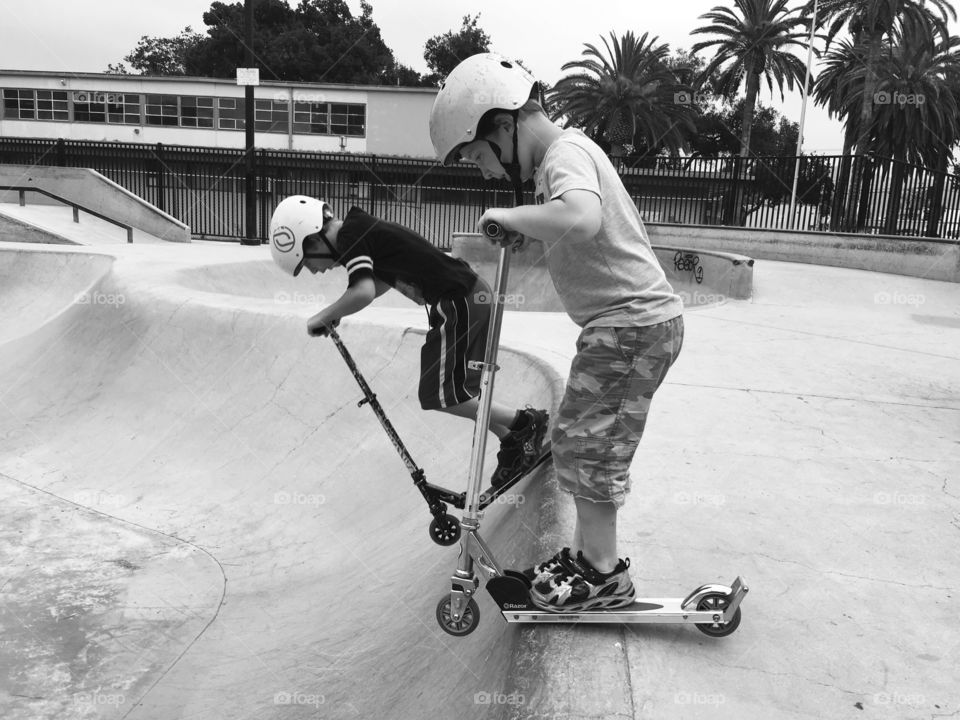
(642, 610)
(511, 592)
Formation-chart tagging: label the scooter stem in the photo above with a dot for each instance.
(487, 375)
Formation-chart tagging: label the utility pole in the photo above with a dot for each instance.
(803, 119)
(250, 78)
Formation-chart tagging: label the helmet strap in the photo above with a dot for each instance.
(513, 168)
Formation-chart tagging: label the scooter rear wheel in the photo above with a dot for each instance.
(468, 622)
(445, 530)
(718, 603)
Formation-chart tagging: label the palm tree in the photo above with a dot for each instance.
(920, 121)
(872, 23)
(627, 95)
(753, 45)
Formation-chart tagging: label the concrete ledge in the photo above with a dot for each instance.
(96, 192)
(700, 277)
(13, 230)
(930, 258)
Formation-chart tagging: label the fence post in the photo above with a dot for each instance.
(936, 200)
(161, 170)
(373, 184)
(61, 153)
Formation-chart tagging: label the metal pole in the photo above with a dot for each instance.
(250, 237)
(803, 118)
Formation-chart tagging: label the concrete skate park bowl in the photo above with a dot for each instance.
(198, 521)
(701, 278)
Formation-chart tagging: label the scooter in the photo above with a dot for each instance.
(714, 609)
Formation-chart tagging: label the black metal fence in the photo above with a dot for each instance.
(204, 187)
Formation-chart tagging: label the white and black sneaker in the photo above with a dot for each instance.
(579, 586)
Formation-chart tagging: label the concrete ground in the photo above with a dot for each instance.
(198, 522)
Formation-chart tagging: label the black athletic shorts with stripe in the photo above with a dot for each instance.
(457, 335)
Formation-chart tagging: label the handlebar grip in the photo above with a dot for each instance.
(494, 230)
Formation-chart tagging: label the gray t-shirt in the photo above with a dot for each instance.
(612, 279)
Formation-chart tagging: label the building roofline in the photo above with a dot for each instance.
(221, 81)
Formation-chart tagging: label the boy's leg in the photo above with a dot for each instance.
(600, 421)
(501, 417)
(596, 533)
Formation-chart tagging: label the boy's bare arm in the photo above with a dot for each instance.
(354, 299)
(575, 215)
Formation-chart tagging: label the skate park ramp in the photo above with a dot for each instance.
(198, 520)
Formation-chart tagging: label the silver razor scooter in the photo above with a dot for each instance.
(714, 609)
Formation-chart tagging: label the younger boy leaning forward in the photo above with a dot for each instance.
(610, 284)
(379, 256)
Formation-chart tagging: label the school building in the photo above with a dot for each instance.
(208, 112)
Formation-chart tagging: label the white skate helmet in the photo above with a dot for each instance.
(477, 85)
(297, 218)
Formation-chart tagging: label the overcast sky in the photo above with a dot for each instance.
(87, 35)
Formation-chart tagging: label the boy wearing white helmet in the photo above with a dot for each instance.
(380, 255)
(610, 283)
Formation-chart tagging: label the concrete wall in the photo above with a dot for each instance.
(700, 278)
(398, 123)
(95, 192)
(926, 258)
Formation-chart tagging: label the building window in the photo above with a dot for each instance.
(100, 107)
(329, 119)
(347, 119)
(19, 104)
(231, 112)
(162, 110)
(196, 112)
(270, 116)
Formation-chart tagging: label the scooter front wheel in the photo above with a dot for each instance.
(467, 623)
(718, 603)
(445, 530)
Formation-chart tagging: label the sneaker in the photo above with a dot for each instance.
(548, 568)
(582, 587)
(521, 448)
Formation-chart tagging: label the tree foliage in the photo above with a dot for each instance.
(443, 53)
(316, 41)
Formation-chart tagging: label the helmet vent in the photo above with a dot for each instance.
(506, 64)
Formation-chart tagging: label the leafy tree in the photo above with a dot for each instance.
(444, 52)
(317, 41)
(159, 56)
(626, 96)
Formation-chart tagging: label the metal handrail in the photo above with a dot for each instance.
(22, 190)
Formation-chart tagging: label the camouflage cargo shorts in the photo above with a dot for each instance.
(604, 409)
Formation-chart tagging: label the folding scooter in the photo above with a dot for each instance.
(713, 609)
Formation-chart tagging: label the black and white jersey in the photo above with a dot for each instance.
(404, 260)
